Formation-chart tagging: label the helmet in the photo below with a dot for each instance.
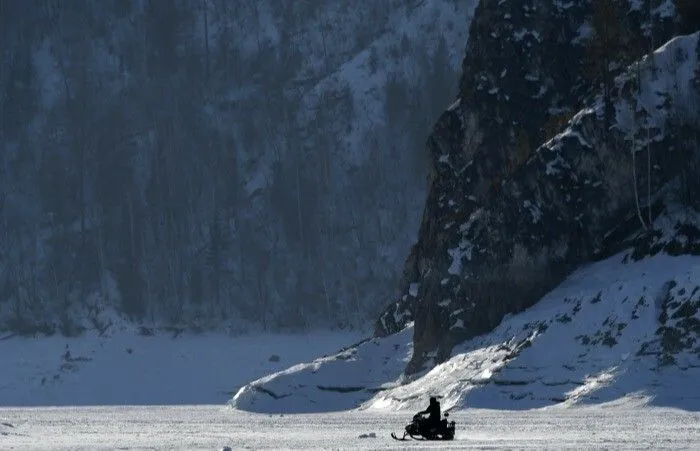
(433, 399)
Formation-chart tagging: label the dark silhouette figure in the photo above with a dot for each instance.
(433, 412)
(430, 428)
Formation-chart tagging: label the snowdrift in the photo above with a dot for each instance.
(338, 382)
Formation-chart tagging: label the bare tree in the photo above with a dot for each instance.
(606, 47)
(205, 14)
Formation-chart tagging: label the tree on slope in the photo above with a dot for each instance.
(607, 49)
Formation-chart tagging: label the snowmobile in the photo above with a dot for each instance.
(419, 429)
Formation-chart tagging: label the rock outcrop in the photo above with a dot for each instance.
(553, 143)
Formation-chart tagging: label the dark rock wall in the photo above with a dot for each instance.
(510, 212)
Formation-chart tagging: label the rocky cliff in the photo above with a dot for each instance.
(555, 142)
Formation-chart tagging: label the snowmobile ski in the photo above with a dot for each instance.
(402, 439)
(418, 430)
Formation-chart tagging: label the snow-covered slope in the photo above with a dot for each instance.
(596, 338)
(612, 328)
(616, 330)
(133, 367)
(338, 382)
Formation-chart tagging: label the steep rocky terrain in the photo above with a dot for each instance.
(623, 326)
(617, 331)
(554, 143)
(214, 164)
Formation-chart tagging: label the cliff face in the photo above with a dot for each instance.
(540, 159)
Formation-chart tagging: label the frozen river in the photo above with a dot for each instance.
(214, 427)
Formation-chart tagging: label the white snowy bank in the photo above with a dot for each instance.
(598, 337)
(338, 382)
(594, 339)
(126, 368)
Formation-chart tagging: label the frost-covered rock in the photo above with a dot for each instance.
(613, 330)
(531, 174)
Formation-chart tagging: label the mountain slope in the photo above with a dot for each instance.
(617, 330)
(512, 211)
(337, 382)
(610, 332)
(192, 164)
(625, 325)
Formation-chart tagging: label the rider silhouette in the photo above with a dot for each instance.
(433, 412)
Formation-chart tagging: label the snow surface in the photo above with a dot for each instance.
(591, 340)
(214, 427)
(127, 368)
(668, 74)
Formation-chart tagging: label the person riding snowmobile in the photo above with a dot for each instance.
(430, 428)
(433, 412)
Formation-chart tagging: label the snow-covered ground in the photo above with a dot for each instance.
(127, 368)
(215, 427)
